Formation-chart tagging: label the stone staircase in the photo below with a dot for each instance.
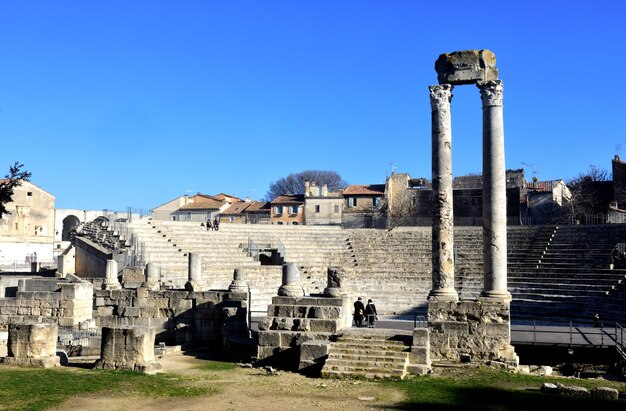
(368, 353)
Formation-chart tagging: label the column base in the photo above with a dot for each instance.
(443, 295)
(496, 296)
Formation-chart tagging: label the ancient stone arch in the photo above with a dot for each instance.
(70, 223)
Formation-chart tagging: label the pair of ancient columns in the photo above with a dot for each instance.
(494, 194)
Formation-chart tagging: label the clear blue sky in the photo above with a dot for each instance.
(131, 103)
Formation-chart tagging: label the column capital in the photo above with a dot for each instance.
(491, 92)
(440, 96)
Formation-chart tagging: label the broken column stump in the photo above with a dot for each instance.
(128, 348)
(32, 345)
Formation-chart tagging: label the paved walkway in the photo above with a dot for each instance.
(533, 335)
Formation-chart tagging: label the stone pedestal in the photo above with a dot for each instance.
(110, 281)
(195, 282)
(239, 284)
(128, 348)
(478, 329)
(292, 286)
(291, 321)
(32, 345)
(152, 276)
(335, 276)
(419, 359)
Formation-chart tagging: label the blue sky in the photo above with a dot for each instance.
(112, 104)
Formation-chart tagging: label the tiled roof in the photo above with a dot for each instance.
(247, 207)
(258, 207)
(372, 189)
(289, 199)
(236, 208)
(224, 196)
(203, 204)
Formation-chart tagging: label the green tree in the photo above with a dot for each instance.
(294, 183)
(13, 179)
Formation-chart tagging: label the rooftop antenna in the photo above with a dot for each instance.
(618, 148)
(393, 168)
(532, 166)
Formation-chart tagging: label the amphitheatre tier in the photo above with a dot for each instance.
(554, 272)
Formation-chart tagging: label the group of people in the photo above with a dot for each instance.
(367, 312)
(213, 226)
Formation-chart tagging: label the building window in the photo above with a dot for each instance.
(376, 201)
(231, 219)
(294, 209)
(336, 206)
(294, 223)
(29, 194)
(317, 208)
(279, 223)
(278, 209)
(188, 215)
(351, 201)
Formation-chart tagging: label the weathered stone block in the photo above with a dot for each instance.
(329, 326)
(284, 300)
(270, 338)
(466, 67)
(419, 355)
(421, 337)
(32, 340)
(605, 393)
(313, 352)
(128, 348)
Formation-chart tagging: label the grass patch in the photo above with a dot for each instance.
(489, 389)
(217, 366)
(39, 389)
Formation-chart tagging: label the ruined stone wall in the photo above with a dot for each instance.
(478, 329)
(68, 304)
(91, 258)
(208, 318)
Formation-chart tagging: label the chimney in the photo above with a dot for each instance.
(307, 187)
(325, 190)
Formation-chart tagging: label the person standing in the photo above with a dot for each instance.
(208, 224)
(359, 312)
(371, 313)
(216, 224)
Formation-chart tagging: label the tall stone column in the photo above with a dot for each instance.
(494, 192)
(443, 221)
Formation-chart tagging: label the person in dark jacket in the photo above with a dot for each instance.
(359, 312)
(371, 313)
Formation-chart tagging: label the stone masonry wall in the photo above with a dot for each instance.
(480, 329)
(68, 305)
(207, 318)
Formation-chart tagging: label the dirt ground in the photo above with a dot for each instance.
(249, 389)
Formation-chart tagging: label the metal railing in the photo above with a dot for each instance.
(74, 336)
(600, 334)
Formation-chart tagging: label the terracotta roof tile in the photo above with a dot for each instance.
(258, 207)
(289, 199)
(372, 189)
(203, 204)
(237, 208)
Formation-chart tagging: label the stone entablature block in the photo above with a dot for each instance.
(466, 67)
